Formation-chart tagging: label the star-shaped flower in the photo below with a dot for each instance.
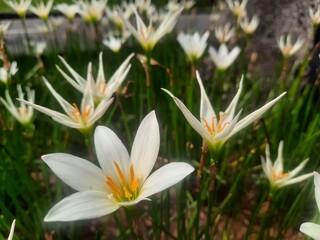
(216, 130)
(121, 181)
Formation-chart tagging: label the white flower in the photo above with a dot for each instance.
(20, 7)
(144, 7)
(287, 48)
(101, 89)
(216, 130)
(224, 33)
(308, 228)
(91, 11)
(5, 75)
(122, 181)
(148, 36)
(113, 43)
(38, 47)
(223, 58)
(315, 15)
(4, 27)
(275, 174)
(68, 10)
(115, 17)
(83, 118)
(193, 45)
(187, 4)
(10, 237)
(42, 10)
(249, 27)
(22, 113)
(173, 6)
(237, 7)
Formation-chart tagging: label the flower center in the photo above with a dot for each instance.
(125, 189)
(102, 86)
(214, 128)
(278, 175)
(81, 117)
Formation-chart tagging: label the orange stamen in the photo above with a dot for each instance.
(120, 173)
(278, 176)
(113, 187)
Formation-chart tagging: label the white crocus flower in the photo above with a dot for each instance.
(5, 75)
(237, 8)
(308, 228)
(287, 48)
(224, 33)
(193, 45)
(216, 130)
(83, 118)
(101, 89)
(10, 237)
(67, 10)
(274, 172)
(249, 26)
(42, 10)
(315, 15)
(91, 11)
(113, 43)
(20, 7)
(222, 58)
(121, 181)
(22, 113)
(148, 36)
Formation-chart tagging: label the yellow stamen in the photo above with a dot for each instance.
(113, 187)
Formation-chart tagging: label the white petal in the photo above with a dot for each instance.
(12, 230)
(78, 173)
(82, 205)
(232, 107)
(195, 123)
(206, 110)
(146, 145)
(278, 164)
(164, 178)
(99, 111)
(295, 180)
(317, 188)
(311, 229)
(256, 114)
(110, 149)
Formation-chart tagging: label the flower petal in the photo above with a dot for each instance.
(110, 149)
(164, 178)
(82, 205)
(311, 229)
(206, 110)
(78, 173)
(146, 145)
(256, 114)
(190, 118)
(317, 188)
